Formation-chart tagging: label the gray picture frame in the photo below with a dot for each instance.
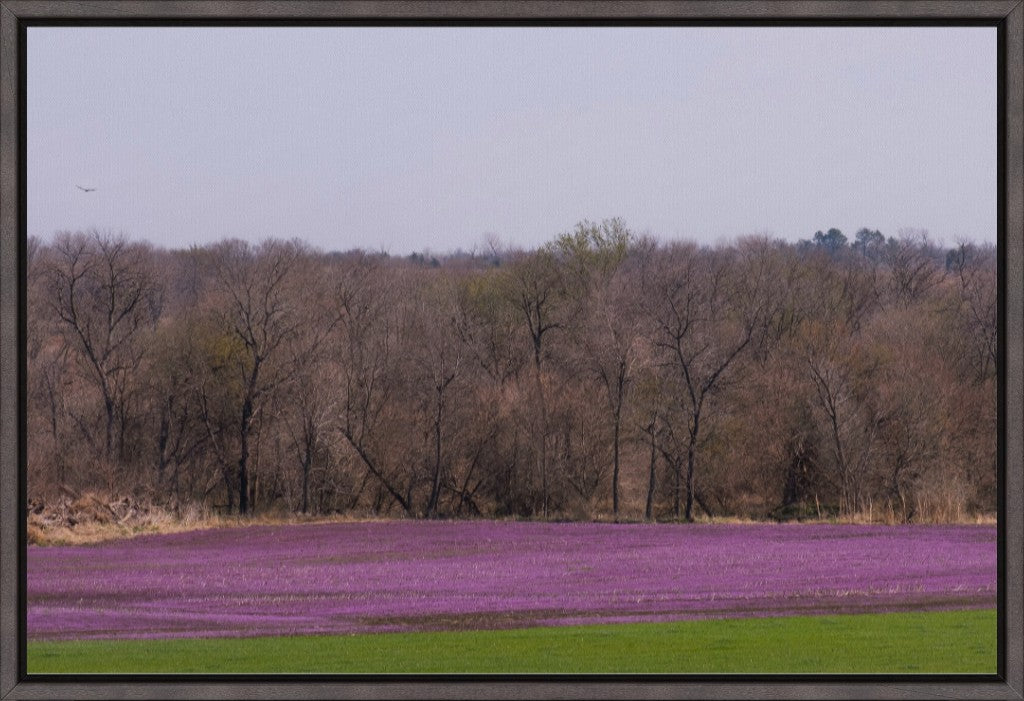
(1007, 15)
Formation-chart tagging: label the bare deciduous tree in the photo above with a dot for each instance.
(536, 287)
(103, 292)
(600, 376)
(706, 311)
(261, 310)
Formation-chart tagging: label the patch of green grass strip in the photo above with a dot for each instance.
(934, 642)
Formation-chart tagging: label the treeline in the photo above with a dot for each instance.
(603, 375)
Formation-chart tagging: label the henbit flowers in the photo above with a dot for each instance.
(431, 575)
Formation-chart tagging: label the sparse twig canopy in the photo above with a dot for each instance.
(603, 375)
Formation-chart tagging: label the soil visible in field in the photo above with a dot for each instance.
(414, 575)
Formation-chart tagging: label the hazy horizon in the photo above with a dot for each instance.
(481, 249)
(434, 138)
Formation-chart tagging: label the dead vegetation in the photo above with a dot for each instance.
(602, 376)
(90, 517)
(75, 519)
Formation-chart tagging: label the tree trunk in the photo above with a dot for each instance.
(703, 504)
(435, 490)
(161, 465)
(243, 459)
(542, 435)
(677, 466)
(615, 468)
(376, 472)
(649, 508)
(691, 450)
(230, 490)
(108, 405)
(305, 480)
(689, 479)
(174, 481)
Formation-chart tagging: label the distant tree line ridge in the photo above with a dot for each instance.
(602, 375)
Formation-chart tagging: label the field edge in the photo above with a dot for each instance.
(943, 642)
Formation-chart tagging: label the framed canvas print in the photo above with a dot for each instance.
(511, 349)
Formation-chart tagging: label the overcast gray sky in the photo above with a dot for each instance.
(407, 139)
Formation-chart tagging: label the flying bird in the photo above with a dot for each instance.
(85, 189)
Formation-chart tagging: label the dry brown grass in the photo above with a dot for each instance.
(91, 518)
(90, 533)
(887, 517)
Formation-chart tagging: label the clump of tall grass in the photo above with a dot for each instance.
(91, 517)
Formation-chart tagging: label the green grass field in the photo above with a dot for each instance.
(941, 642)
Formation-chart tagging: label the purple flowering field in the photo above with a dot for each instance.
(416, 575)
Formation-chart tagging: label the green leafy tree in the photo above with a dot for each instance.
(833, 241)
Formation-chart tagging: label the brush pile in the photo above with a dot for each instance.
(74, 518)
